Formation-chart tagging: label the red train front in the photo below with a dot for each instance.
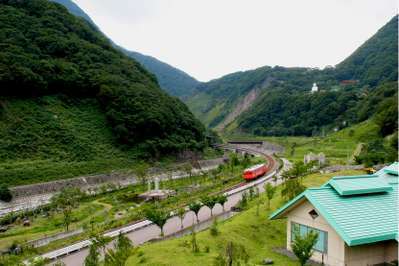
(254, 171)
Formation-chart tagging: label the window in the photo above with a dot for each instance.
(313, 214)
(322, 240)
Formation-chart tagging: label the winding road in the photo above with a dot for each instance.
(144, 231)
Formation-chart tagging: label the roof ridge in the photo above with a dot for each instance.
(353, 177)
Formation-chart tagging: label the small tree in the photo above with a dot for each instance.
(181, 212)
(141, 171)
(270, 191)
(188, 169)
(302, 246)
(210, 202)
(222, 199)
(67, 200)
(93, 258)
(123, 248)
(158, 217)
(292, 188)
(243, 203)
(234, 254)
(214, 228)
(5, 193)
(259, 201)
(99, 240)
(194, 244)
(195, 207)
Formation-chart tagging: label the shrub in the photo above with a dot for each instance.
(5, 193)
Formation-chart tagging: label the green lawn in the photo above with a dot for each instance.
(256, 233)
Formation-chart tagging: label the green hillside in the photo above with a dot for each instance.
(69, 99)
(284, 105)
(376, 60)
(52, 137)
(172, 80)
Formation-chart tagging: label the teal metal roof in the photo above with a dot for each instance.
(358, 218)
(392, 169)
(356, 185)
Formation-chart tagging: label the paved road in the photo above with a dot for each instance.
(144, 231)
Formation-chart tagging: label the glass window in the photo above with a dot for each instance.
(322, 240)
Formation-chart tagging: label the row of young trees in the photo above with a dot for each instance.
(159, 216)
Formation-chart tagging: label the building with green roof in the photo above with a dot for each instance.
(356, 218)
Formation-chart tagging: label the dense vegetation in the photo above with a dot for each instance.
(59, 54)
(285, 113)
(376, 60)
(348, 93)
(172, 80)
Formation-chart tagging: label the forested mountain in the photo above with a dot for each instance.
(171, 79)
(277, 100)
(376, 60)
(48, 55)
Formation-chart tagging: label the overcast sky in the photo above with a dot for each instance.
(211, 38)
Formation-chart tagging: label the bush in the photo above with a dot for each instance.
(5, 193)
(214, 228)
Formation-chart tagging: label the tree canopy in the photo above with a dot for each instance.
(62, 54)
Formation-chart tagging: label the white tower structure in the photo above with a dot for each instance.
(314, 88)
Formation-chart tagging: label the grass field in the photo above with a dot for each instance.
(256, 233)
(338, 147)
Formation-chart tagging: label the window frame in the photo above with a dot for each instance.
(293, 224)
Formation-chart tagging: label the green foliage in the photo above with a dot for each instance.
(141, 171)
(214, 231)
(234, 255)
(292, 188)
(302, 246)
(194, 244)
(222, 199)
(243, 203)
(209, 201)
(270, 191)
(195, 207)
(172, 80)
(284, 105)
(93, 258)
(285, 112)
(66, 201)
(62, 54)
(123, 248)
(181, 212)
(375, 152)
(158, 216)
(5, 193)
(376, 60)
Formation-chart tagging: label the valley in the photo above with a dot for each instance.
(110, 157)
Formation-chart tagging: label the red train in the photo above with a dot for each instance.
(255, 171)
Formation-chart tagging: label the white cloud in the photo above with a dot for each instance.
(211, 38)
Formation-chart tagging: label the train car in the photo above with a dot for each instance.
(254, 171)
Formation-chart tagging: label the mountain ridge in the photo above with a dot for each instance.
(217, 99)
(173, 80)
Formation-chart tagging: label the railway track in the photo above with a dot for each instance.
(139, 225)
(271, 163)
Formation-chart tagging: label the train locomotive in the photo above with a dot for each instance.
(255, 171)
